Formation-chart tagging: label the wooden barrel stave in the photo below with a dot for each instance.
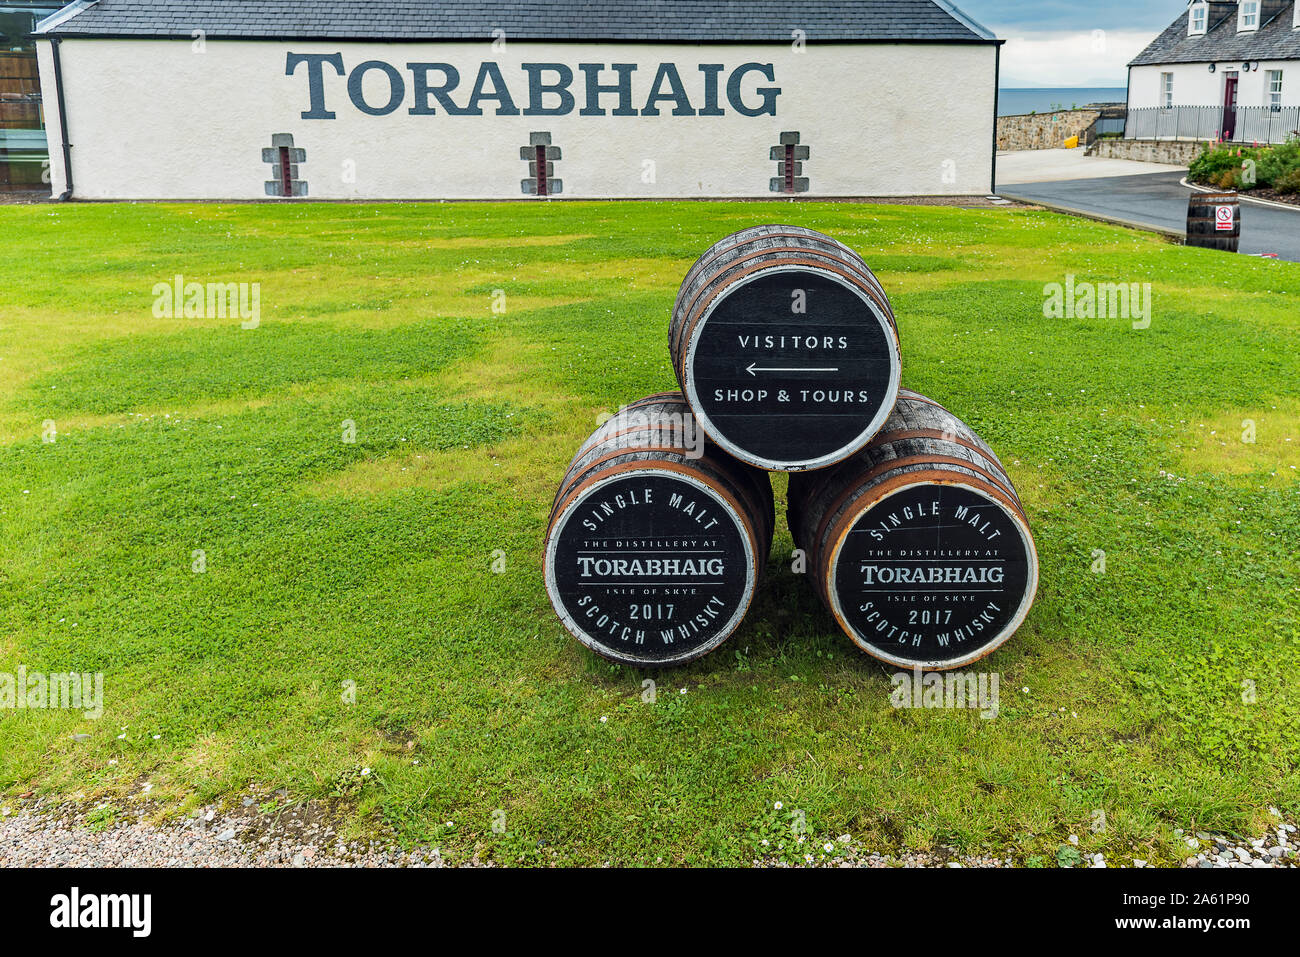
(748, 235)
(660, 417)
(949, 422)
(702, 293)
(786, 245)
(779, 244)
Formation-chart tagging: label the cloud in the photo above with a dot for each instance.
(1065, 59)
(1008, 17)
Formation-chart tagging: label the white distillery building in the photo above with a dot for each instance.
(497, 99)
(1222, 71)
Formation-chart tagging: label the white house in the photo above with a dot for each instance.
(462, 99)
(1223, 70)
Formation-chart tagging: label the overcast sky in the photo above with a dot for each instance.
(1053, 42)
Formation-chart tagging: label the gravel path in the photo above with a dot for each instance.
(1279, 847)
(48, 835)
(66, 836)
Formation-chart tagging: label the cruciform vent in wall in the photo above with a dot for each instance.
(284, 159)
(541, 157)
(789, 156)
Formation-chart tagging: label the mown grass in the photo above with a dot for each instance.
(333, 565)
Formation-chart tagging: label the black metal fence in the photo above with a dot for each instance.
(1109, 126)
(1254, 124)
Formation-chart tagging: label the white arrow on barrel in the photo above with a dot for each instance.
(754, 369)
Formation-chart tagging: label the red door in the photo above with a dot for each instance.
(543, 183)
(1230, 107)
(286, 173)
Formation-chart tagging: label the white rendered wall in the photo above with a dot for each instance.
(50, 106)
(154, 119)
(1195, 85)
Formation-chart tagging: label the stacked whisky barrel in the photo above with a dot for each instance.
(787, 354)
(657, 540)
(785, 346)
(919, 545)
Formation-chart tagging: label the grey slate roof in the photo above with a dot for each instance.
(1274, 40)
(691, 21)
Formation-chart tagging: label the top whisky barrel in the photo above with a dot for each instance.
(657, 540)
(785, 346)
(1214, 221)
(919, 545)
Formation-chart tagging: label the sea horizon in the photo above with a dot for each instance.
(1017, 100)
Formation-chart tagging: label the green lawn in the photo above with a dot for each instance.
(330, 562)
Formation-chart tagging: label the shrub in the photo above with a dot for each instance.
(1275, 163)
(1221, 165)
(1288, 183)
(1215, 161)
(1211, 162)
(1228, 179)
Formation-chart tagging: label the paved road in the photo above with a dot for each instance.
(1158, 201)
(1050, 166)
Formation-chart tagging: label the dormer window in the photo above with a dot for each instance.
(1197, 19)
(1248, 18)
(1295, 24)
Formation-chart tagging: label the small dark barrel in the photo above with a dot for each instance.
(786, 348)
(1214, 221)
(918, 545)
(657, 540)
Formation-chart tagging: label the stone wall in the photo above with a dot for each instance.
(1171, 152)
(1043, 131)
